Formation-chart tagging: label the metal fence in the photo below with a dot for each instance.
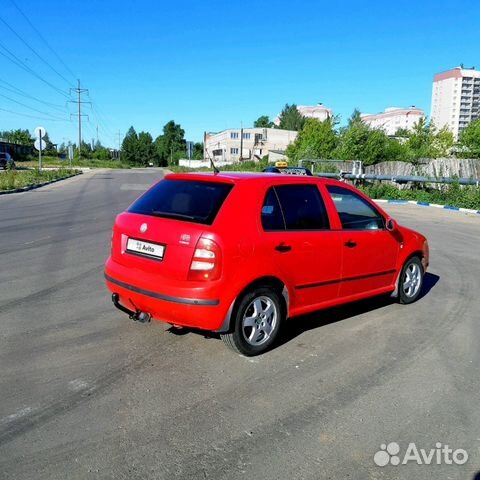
(356, 173)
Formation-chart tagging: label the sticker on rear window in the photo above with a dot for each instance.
(267, 210)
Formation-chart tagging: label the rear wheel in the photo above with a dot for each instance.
(411, 281)
(256, 321)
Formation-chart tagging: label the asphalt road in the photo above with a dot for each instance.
(86, 393)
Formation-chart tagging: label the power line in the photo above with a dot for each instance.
(103, 124)
(32, 116)
(43, 39)
(17, 91)
(25, 67)
(33, 50)
(27, 106)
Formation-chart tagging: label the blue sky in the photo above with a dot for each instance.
(217, 64)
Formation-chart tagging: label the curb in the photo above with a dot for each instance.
(426, 204)
(36, 185)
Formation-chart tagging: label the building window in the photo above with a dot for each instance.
(233, 135)
(234, 151)
(246, 136)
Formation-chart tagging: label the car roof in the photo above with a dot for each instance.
(237, 177)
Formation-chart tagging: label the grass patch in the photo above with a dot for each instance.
(453, 194)
(13, 179)
(86, 163)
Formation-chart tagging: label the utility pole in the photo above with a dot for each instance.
(97, 135)
(241, 143)
(79, 92)
(119, 147)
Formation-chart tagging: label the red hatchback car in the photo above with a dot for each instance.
(238, 253)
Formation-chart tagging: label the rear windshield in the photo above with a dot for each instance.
(187, 200)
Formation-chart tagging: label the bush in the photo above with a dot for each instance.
(452, 194)
(14, 179)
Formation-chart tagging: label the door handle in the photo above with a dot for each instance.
(351, 244)
(282, 248)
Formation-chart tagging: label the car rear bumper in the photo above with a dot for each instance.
(171, 305)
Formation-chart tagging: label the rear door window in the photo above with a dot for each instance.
(188, 200)
(354, 211)
(294, 207)
(272, 216)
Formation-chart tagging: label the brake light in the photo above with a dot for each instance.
(206, 261)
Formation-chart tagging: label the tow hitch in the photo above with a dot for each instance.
(136, 316)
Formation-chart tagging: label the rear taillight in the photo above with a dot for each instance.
(206, 261)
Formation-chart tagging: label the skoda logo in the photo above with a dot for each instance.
(143, 227)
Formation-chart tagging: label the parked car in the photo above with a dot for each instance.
(6, 161)
(238, 253)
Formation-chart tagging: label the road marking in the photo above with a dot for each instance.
(140, 187)
(77, 385)
(15, 416)
(37, 240)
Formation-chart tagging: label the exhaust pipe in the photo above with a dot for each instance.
(136, 316)
(142, 317)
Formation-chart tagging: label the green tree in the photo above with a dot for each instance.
(100, 152)
(62, 148)
(355, 117)
(291, 118)
(198, 151)
(419, 141)
(358, 141)
(425, 141)
(352, 141)
(316, 140)
(442, 141)
(263, 122)
(402, 133)
(129, 147)
(171, 145)
(49, 149)
(20, 136)
(470, 139)
(146, 152)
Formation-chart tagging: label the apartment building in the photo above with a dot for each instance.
(394, 118)
(254, 143)
(319, 111)
(456, 98)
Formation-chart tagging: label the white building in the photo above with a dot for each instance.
(319, 111)
(394, 118)
(255, 143)
(456, 98)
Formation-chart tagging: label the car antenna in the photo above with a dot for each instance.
(215, 169)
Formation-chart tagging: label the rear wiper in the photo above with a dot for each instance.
(179, 216)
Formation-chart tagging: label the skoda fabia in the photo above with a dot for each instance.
(238, 253)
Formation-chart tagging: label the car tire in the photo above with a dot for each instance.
(410, 282)
(256, 321)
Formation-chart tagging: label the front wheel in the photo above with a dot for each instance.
(411, 281)
(256, 322)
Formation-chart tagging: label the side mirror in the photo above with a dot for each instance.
(391, 224)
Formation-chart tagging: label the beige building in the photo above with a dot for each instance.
(255, 143)
(456, 98)
(319, 111)
(394, 118)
